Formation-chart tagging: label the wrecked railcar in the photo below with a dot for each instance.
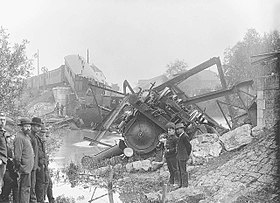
(141, 116)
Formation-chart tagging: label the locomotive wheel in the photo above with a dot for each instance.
(142, 134)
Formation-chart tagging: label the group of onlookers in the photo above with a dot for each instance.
(177, 149)
(24, 173)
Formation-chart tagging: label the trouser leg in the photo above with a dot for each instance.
(183, 174)
(50, 189)
(173, 169)
(2, 172)
(40, 184)
(33, 198)
(7, 187)
(24, 187)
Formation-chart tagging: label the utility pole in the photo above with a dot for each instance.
(45, 72)
(88, 56)
(38, 62)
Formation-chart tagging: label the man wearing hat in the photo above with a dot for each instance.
(36, 124)
(184, 149)
(170, 152)
(41, 179)
(3, 149)
(48, 190)
(24, 159)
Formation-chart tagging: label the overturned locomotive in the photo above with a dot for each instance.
(141, 116)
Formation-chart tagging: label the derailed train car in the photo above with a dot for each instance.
(141, 116)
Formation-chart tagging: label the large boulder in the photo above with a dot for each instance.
(205, 146)
(146, 165)
(237, 137)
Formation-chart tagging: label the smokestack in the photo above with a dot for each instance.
(87, 56)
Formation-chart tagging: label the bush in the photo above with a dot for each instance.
(63, 199)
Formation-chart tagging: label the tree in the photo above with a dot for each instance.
(14, 68)
(176, 67)
(237, 64)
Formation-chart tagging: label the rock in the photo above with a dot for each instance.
(185, 194)
(237, 137)
(153, 197)
(230, 192)
(146, 165)
(205, 146)
(215, 149)
(137, 165)
(257, 130)
(129, 167)
(156, 165)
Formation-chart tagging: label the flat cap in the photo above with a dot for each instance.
(170, 125)
(179, 125)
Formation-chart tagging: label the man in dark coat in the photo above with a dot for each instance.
(3, 149)
(35, 130)
(184, 149)
(170, 152)
(41, 175)
(48, 190)
(24, 159)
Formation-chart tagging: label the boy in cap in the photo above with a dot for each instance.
(170, 152)
(184, 149)
(3, 149)
(24, 159)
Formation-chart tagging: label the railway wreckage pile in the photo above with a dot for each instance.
(141, 117)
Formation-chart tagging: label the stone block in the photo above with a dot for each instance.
(137, 165)
(271, 94)
(146, 165)
(260, 122)
(260, 113)
(259, 94)
(237, 137)
(260, 104)
(205, 146)
(272, 82)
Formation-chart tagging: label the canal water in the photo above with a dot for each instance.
(73, 148)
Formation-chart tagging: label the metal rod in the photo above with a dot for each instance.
(188, 73)
(243, 103)
(97, 197)
(92, 140)
(232, 105)
(223, 113)
(224, 85)
(104, 88)
(265, 54)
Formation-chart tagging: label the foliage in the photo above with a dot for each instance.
(72, 172)
(63, 199)
(176, 67)
(14, 68)
(237, 64)
(54, 141)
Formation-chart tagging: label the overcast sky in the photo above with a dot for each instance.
(133, 39)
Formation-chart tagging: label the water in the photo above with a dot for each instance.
(72, 150)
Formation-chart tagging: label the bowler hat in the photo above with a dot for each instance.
(170, 125)
(179, 125)
(24, 121)
(36, 121)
